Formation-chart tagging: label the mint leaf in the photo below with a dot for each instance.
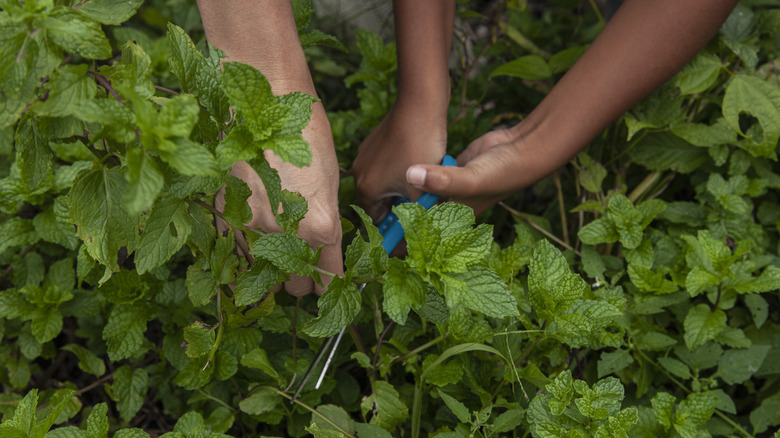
(459, 409)
(33, 156)
(185, 58)
(702, 325)
(124, 331)
(459, 251)
(287, 252)
(110, 11)
(130, 387)
(201, 286)
(88, 361)
(164, 234)
(252, 285)
(552, 287)
(76, 34)
(237, 210)
(525, 67)
(258, 358)
(68, 88)
(751, 95)
(482, 291)
(404, 289)
(339, 305)
(699, 75)
(102, 222)
(97, 422)
(388, 409)
(200, 338)
(294, 208)
(737, 366)
(612, 362)
(263, 400)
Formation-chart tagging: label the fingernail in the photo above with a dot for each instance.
(416, 176)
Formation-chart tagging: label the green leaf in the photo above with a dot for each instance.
(185, 58)
(699, 75)
(253, 284)
(33, 156)
(23, 419)
(767, 281)
(190, 158)
(339, 305)
(675, 367)
(88, 361)
(76, 34)
(110, 11)
(51, 229)
(17, 231)
(201, 286)
(459, 409)
(459, 251)
(263, 400)
(552, 287)
(287, 252)
(612, 362)
(294, 208)
(131, 433)
(46, 324)
(292, 149)
(591, 174)
(702, 325)
(102, 222)
(237, 210)
(164, 233)
(705, 135)
(68, 88)
(758, 307)
(666, 151)
(765, 415)
(130, 387)
(601, 230)
(388, 409)
(404, 289)
(200, 338)
(525, 67)
(509, 420)
(97, 422)
(124, 332)
(750, 95)
(482, 290)
(238, 145)
(737, 366)
(258, 358)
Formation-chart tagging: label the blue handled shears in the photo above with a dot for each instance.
(392, 232)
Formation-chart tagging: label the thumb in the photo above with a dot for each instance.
(443, 180)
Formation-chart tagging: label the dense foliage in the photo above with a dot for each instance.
(633, 293)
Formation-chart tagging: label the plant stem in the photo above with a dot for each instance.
(422, 347)
(220, 330)
(644, 186)
(379, 343)
(107, 85)
(597, 11)
(310, 409)
(538, 228)
(166, 90)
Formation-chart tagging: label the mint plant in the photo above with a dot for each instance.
(633, 293)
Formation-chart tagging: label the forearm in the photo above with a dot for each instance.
(424, 39)
(261, 33)
(643, 45)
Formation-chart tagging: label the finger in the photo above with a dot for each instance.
(299, 285)
(444, 180)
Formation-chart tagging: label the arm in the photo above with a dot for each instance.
(263, 34)
(643, 45)
(415, 129)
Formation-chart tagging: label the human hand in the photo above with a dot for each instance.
(406, 136)
(490, 169)
(318, 184)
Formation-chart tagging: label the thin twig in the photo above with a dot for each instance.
(166, 90)
(538, 228)
(107, 85)
(379, 343)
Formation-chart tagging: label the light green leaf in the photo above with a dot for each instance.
(702, 325)
(404, 289)
(76, 34)
(110, 11)
(102, 222)
(237, 210)
(131, 433)
(705, 135)
(552, 287)
(675, 367)
(68, 88)
(750, 95)
(767, 281)
(666, 151)
(185, 58)
(23, 420)
(525, 67)
(130, 387)
(51, 229)
(287, 252)
(294, 208)
(462, 250)
(598, 231)
(292, 149)
(765, 415)
(591, 173)
(339, 305)
(46, 324)
(484, 292)
(33, 156)
(190, 158)
(699, 75)
(734, 338)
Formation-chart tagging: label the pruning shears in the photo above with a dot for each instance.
(392, 232)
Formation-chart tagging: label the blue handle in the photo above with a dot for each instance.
(391, 229)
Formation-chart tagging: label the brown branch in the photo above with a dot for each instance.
(103, 81)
